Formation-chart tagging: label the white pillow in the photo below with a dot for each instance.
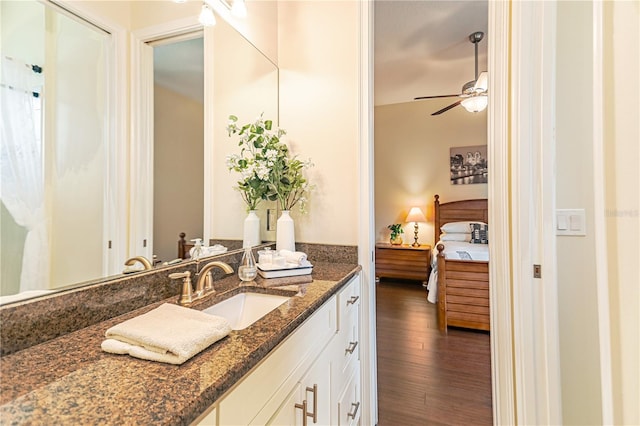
(462, 237)
(458, 227)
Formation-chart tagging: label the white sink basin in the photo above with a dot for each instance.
(244, 309)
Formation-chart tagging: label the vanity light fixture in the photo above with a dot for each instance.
(207, 18)
(239, 9)
(415, 215)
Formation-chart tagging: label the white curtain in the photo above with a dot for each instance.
(22, 184)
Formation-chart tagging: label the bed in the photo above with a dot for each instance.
(460, 277)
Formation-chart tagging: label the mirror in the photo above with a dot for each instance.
(55, 148)
(226, 39)
(178, 142)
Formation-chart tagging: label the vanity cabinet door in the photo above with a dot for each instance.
(316, 389)
(290, 412)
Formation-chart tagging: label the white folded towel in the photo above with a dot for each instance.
(297, 257)
(169, 333)
(209, 251)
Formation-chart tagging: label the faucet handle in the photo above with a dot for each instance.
(178, 275)
(186, 296)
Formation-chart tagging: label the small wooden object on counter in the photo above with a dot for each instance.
(403, 261)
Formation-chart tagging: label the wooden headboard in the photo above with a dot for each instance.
(458, 211)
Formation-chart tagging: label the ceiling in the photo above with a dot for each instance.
(422, 47)
(179, 66)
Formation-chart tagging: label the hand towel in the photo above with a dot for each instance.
(169, 333)
(296, 257)
(209, 251)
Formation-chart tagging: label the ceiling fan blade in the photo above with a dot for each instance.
(435, 97)
(481, 83)
(447, 108)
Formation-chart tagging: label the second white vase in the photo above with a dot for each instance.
(251, 230)
(285, 233)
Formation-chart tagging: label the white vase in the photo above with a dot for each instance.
(251, 230)
(285, 233)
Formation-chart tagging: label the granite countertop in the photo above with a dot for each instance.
(70, 380)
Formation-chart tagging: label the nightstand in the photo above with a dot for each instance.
(403, 261)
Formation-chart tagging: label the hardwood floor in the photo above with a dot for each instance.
(425, 377)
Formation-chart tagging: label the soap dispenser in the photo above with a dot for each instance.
(196, 251)
(247, 270)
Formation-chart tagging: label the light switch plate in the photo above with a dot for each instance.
(571, 222)
(271, 219)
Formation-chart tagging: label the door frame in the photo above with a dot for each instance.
(142, 138)
(525, 385)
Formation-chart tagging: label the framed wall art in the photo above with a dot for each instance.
(468, 164)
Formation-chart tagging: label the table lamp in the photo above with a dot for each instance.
(415, 215)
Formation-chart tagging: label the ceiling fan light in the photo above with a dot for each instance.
(475, 103)
(207, 18)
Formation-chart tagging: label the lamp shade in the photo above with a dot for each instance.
(416, 215)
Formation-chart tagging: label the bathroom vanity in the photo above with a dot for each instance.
(257, 375)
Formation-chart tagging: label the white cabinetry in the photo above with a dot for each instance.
(311, 378)
(345, 350)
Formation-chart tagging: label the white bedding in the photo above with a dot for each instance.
(453, 250)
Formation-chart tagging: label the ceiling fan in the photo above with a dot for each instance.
(474, 93)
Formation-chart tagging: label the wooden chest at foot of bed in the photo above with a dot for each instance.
(466, 295)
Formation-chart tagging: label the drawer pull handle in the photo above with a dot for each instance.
(314, 415)
(352, 300)
(303, 407)
(355, 406)
(351, 348)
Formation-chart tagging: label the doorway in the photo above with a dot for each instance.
(412, 151)
(178, 147)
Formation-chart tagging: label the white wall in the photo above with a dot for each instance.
(576, 258)
(245, 84)
(318, 59)
(178, 169)
(412, 161)
(622, 186)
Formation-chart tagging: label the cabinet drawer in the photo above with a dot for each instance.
(347, 342)
(348, 301)
(398, 255)
(349, 403)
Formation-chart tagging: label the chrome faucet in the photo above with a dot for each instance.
(204, 282)
(145, 262)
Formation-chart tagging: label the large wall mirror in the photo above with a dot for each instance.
(242, 80)
(56, 142)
